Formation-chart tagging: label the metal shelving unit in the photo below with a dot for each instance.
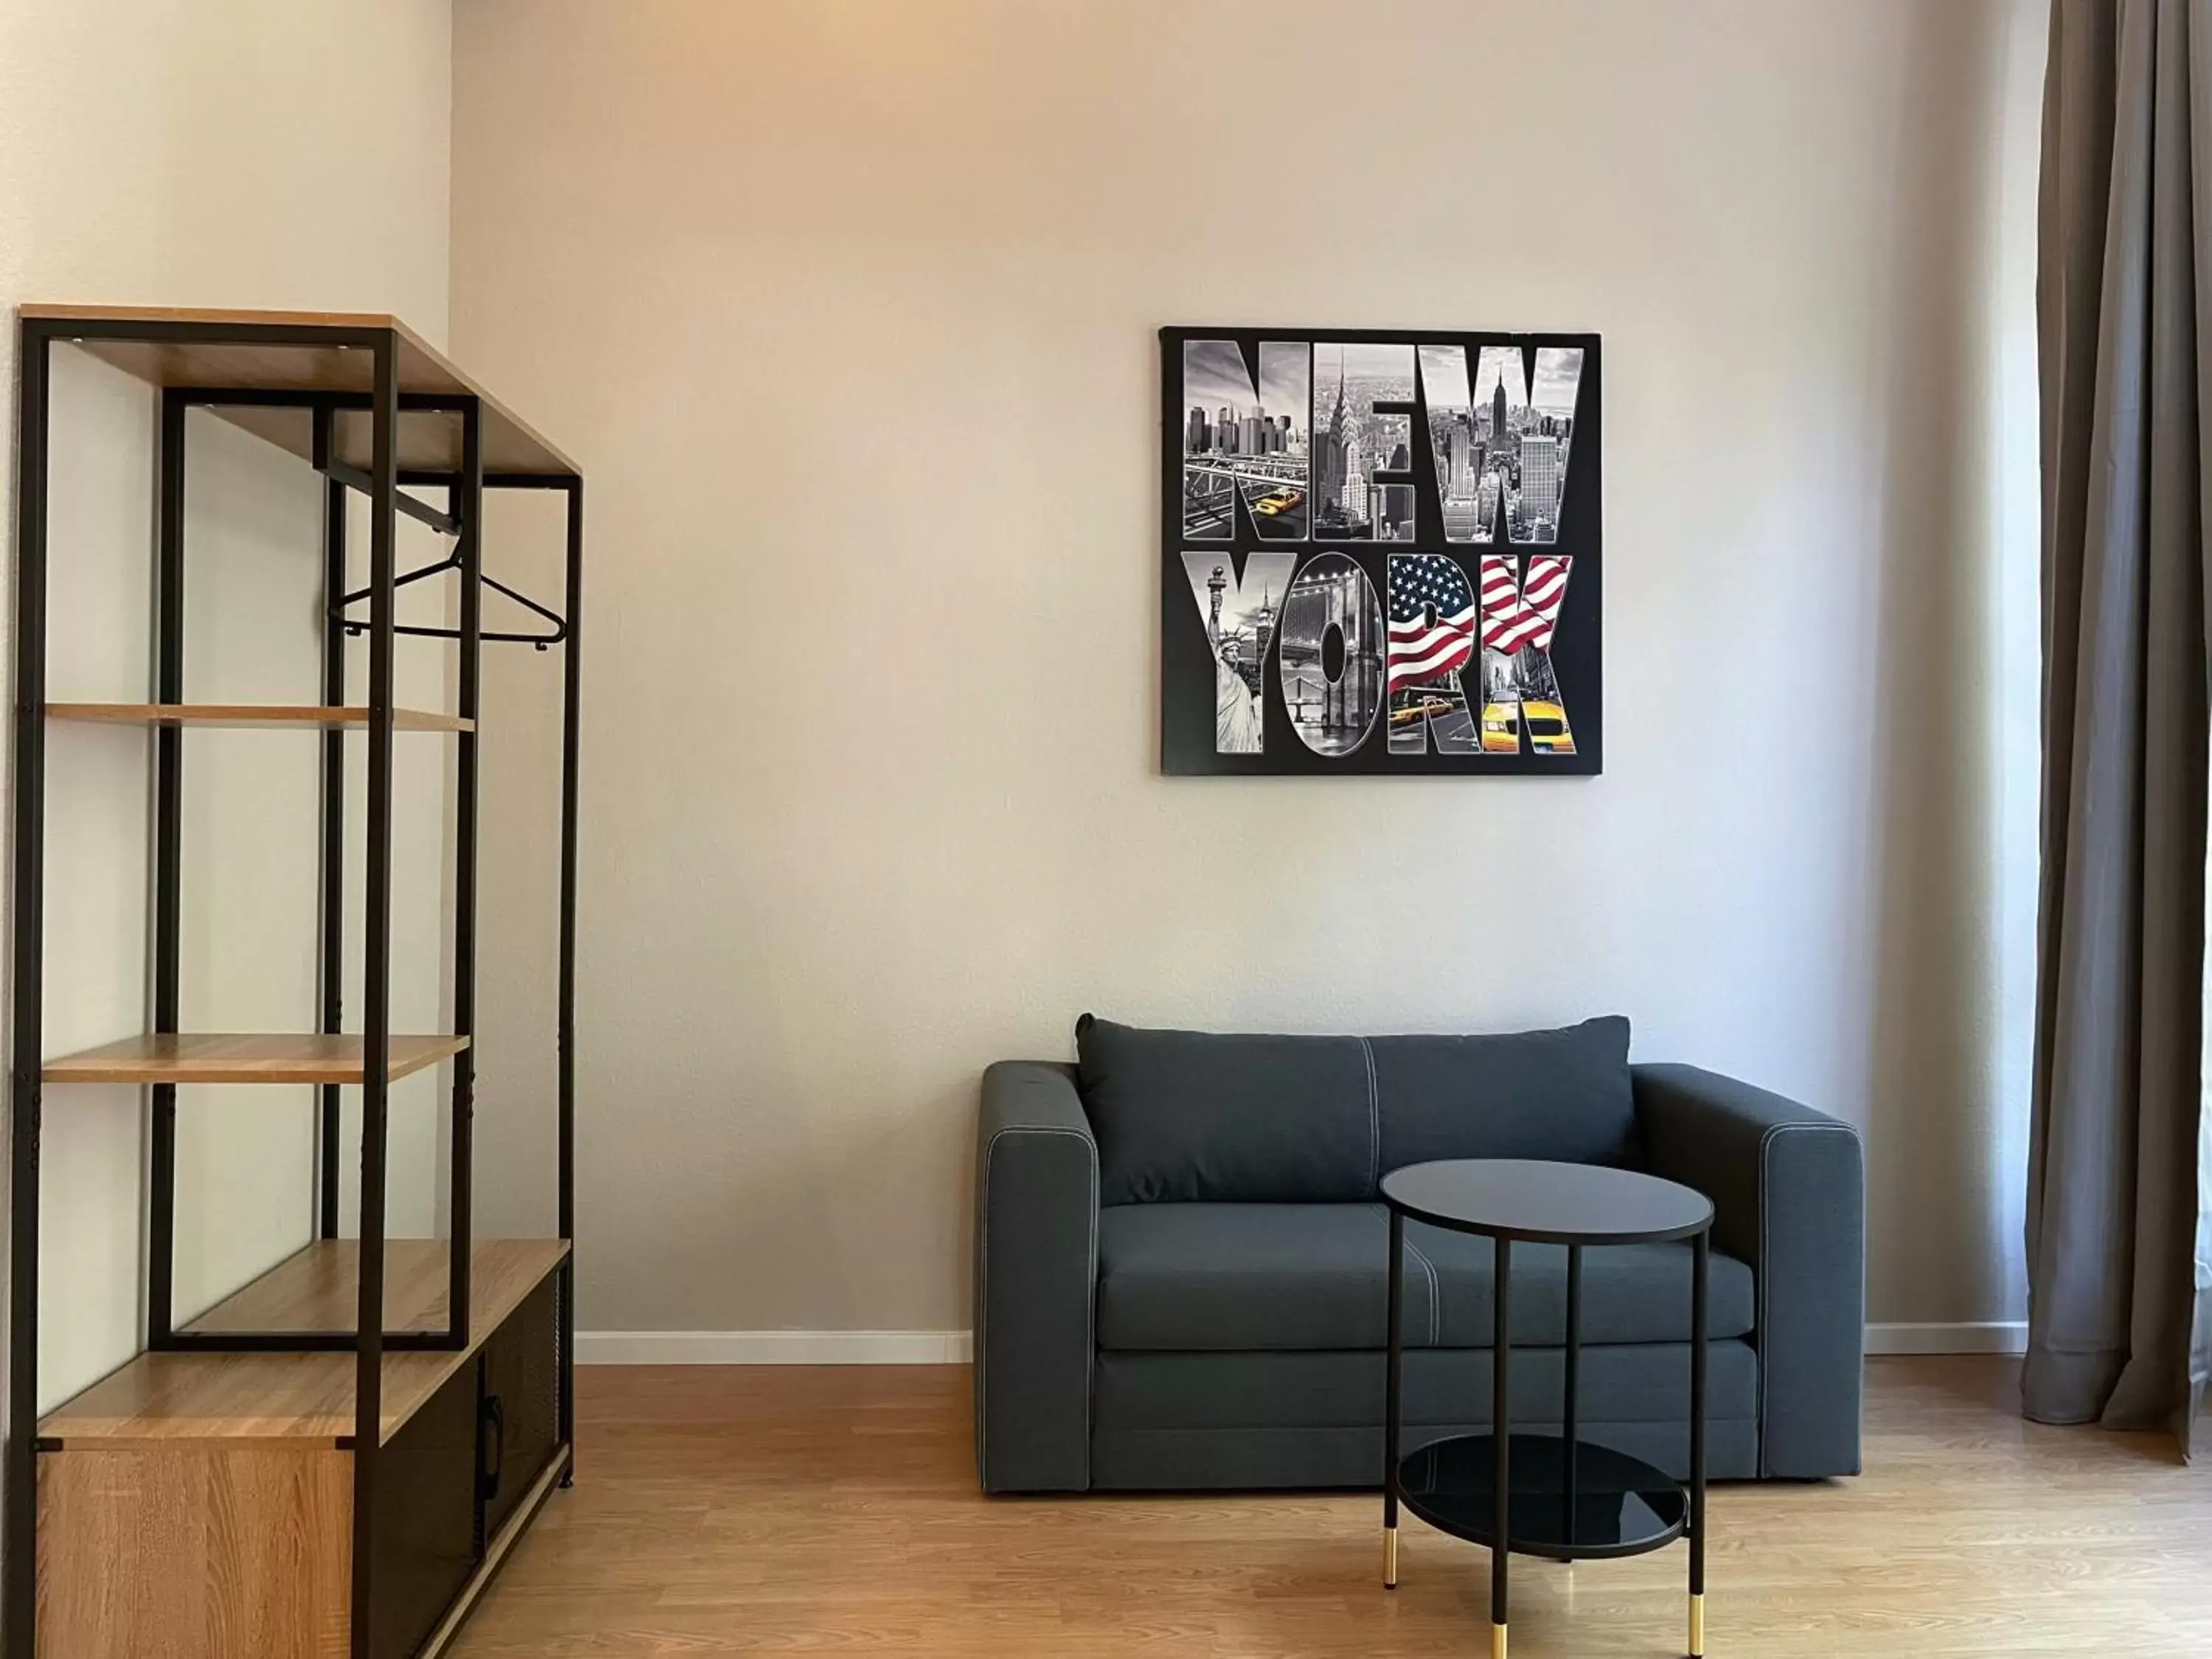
(377, 412)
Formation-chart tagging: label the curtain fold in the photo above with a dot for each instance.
(2117, 1331)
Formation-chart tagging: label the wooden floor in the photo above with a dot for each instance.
(834, 1511)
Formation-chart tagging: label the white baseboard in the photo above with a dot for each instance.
(1985, 1336)
(772, 1347)
(956, 1347)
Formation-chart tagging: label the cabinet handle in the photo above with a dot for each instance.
(493, 1434)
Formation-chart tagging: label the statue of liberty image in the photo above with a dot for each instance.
(1235, 683)
(1241, 618)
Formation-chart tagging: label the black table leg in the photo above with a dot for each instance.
(1571, 1415)
(1501, 1435)
(1702, 1249)
(1390, 1405)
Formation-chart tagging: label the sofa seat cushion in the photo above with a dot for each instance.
(1234, 1277)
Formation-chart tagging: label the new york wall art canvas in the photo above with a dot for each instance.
(1381, 552)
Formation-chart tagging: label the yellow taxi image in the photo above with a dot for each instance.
(1422, 710)
(1279, 500)
(1500, 731)
(1548, 733)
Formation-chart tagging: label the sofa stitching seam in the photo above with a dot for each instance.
(1435, 1293)
(1091, 1286)
(1374, 1121)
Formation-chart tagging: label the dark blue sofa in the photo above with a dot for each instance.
(1180, 1261)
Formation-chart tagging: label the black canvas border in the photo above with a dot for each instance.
(1187, 702)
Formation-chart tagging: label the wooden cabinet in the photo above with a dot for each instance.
(425, 1533)
(191, 1549)
(519, 1391)
(200, 1505)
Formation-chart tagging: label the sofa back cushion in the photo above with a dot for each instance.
(1195, 1116)
(1563, 1095)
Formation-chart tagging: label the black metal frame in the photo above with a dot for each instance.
(376, 997)
(1394, 1373)
(19, 1603)
(1500, 1537)
(168, 851)
(462, 522)
(332, 891)
(382, 483)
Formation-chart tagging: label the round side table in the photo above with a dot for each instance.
(1549, 1495)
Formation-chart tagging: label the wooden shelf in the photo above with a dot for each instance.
(318, 1289)
(284, 1057)
(194, 1398)
(428, 439)
(277, 716)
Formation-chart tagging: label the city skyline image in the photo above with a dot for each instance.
(1241, 442)
(1501, 441)
(1353, 443)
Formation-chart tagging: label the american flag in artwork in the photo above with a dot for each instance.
(1517, 616)
(1432, 612)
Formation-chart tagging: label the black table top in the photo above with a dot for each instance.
(1548, 1203)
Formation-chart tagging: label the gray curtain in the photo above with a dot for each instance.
(2117, 1328)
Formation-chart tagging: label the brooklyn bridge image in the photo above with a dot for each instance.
(1273, 485)
(1331, 647)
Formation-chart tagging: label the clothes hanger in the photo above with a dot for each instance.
(558, 630)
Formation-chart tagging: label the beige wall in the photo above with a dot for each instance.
(252, 152)
(849, 311)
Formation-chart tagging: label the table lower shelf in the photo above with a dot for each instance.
(1619, 1505)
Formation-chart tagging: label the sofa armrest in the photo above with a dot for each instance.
(1037, 1278)
(1788, 1191)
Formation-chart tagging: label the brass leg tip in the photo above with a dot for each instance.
(1390, 1558)
(1697, 1626)
(1497, 1642)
